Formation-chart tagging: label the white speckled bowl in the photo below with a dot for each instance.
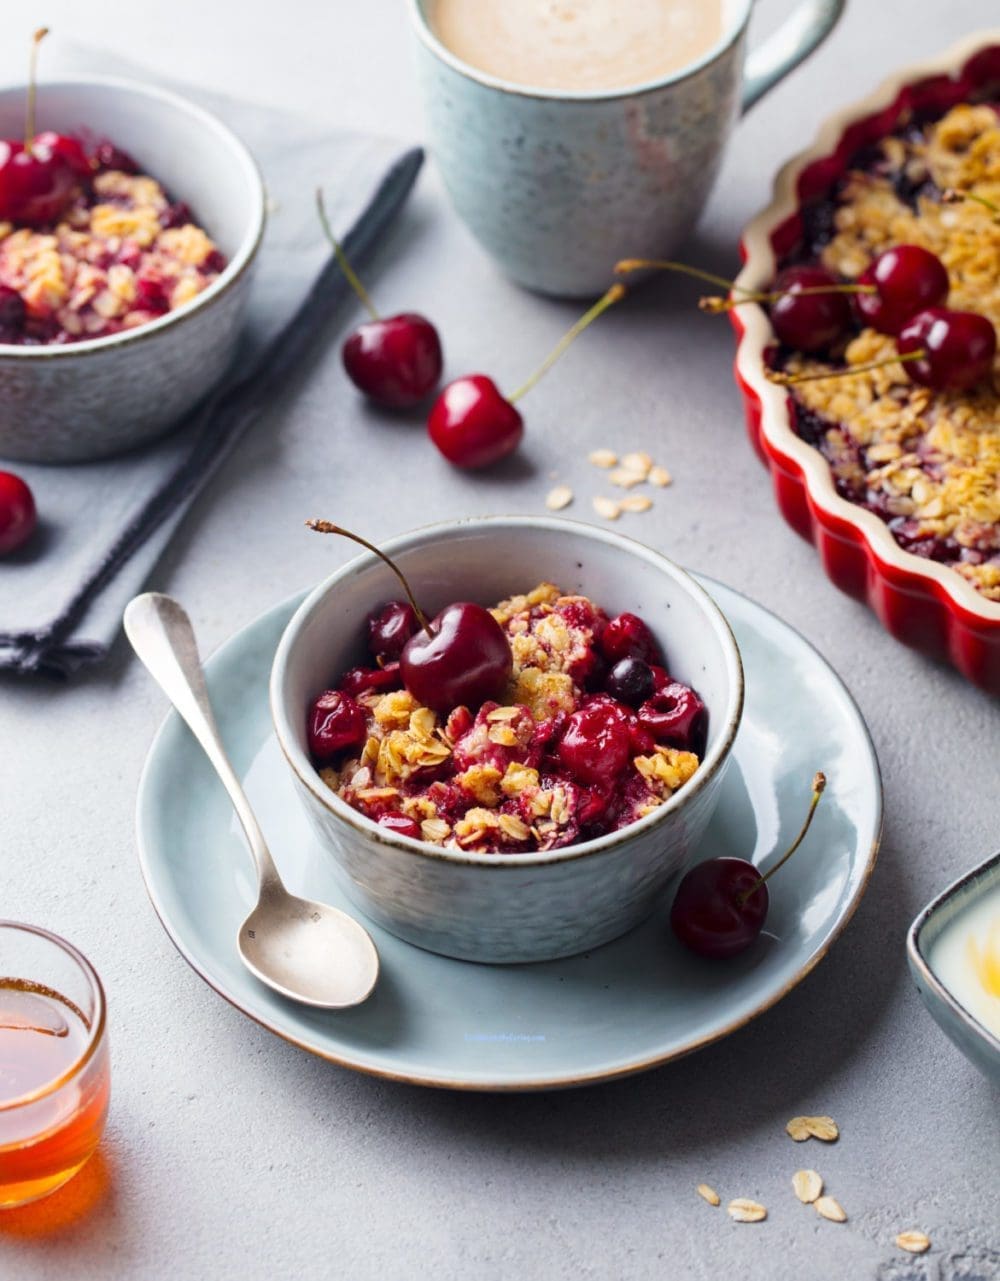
(510, 907)
(90, 399)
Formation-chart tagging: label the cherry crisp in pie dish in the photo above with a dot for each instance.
(591, 734)
(925, 460)
(119, 254)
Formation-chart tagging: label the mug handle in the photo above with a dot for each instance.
(806, 27)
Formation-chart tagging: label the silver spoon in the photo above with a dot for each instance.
(307, 951)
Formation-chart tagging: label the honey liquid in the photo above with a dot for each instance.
(44, 1142)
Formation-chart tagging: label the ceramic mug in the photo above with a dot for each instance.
(558, 185)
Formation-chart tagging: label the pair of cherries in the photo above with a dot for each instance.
(902, 293)
(397, 362)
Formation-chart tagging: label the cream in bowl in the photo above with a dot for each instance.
(466, 891)
(953, 949)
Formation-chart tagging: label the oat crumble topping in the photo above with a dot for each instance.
(483, 782)
(928, 463)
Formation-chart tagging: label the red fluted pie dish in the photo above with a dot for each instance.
(922, 602)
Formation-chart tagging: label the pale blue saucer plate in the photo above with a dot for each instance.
(625, 1007)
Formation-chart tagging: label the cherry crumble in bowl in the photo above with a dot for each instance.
(119, 254)
(592, 733)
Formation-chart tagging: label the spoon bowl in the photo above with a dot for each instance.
(306, 951)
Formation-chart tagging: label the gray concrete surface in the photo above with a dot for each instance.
(230, 1154)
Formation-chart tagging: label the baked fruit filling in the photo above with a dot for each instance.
(119, 253)
(924, 458)
(591, 733)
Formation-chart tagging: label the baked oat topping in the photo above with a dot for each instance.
(121, 255)
(926, 463)
(495, 779)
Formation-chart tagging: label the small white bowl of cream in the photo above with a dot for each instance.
(953, 948)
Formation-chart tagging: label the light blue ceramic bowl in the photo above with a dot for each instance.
(976, 1042)
(510, 907)
(90, 399)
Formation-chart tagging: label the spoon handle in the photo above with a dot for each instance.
(161, 634)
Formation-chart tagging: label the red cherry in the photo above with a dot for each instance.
(721, 904)
(473, 424)
(675, 715)
(108, 156)
(37, 185)
(396, 361)
(464, 661)
(627, 636)
(336, 722)
(18, 516)
(809, 321)
(595, 746)
(362, 680)
(958, 348)
(720, 907)
(401, 824)
(907, 279)
(389, 628)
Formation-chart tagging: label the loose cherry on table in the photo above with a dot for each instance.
(721, 904)
(18, 516)
(461, 657)
(394, 360)
(474, 424)
(39, 173)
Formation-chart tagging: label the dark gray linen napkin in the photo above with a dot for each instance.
(105, 524)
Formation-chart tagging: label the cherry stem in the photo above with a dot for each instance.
(819, 786)
(953, 197)
(345, 266)
(29, 115)
(715, 306)
(328, 527)
(614, 294)
(781, 379)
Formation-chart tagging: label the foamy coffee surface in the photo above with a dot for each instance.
(581, 45)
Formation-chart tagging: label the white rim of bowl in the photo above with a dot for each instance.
(234, 269)
(731, 35)
(304, 770)
(758, 271)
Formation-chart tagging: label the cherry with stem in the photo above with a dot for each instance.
(39, 173)
(721, 904)
(474, 424)
(460, 658)
(395, 360)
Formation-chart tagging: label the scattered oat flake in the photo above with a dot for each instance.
(659, 476)
(624, 478)
(813, 1127)
(808, 1185)
(829, 1208)
(913, 1242)
(559, 498)
(636, 503)
(708, 1194)
(744, 1211)
(608, 508)
(602, 458)
(640, 463)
